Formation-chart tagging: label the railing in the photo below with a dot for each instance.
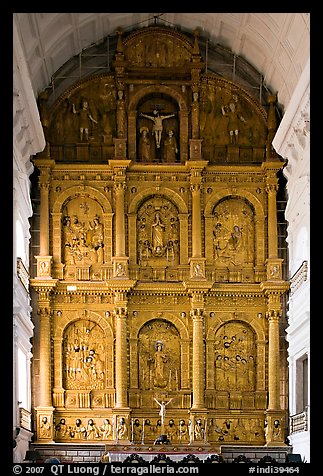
(298, 422)
(23, 274)
(299, 277)
(25, 419)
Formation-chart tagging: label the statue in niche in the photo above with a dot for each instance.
(158, 124)
(231, 111)
(170, 147)
(159, 356)
(234, 358)
(85, 119)
(160, 378)
(157, 231)
(145, 146)
(95, 238)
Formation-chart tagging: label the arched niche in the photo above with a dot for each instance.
(94, 210)
(243, 210)
(179, 224)
(174, 336)
(158, 97)
(100, 338)
(252, 351)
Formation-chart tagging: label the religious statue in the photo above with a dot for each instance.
(145, 149)
(158, 230)
(231, 111)
(170, 147)
(106, 429)
(122, 429)
(158, 124)
(162, 412)
(85, 119)
(45, 428)
(160, 379)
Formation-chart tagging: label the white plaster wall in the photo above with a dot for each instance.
(28, 139)
(292, 142)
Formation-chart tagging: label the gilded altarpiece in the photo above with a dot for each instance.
(158, 277)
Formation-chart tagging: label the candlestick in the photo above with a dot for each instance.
(205, 429)
(143, 432)
(131, 430)
(190, 430)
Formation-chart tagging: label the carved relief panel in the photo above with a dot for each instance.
(233, 233)
(155, 48)
(235, 357)
(158, 233)
(84, 366)
(159, 356)
(82, 232)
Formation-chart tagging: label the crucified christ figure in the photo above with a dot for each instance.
(162, 412)
(158, 124)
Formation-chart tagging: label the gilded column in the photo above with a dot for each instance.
(195, 115)
(120, 245)
(120, 260)
(273, 361)
(44, 216)
(275, 415)
(196, 220)
(121, 353)
(198, 369)
(119, 66)
(274, 263)
(44, 164)
(44, 411)
(272, 186)
(196, 67)
(197, 263)
(45, 397)
(272, 127)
